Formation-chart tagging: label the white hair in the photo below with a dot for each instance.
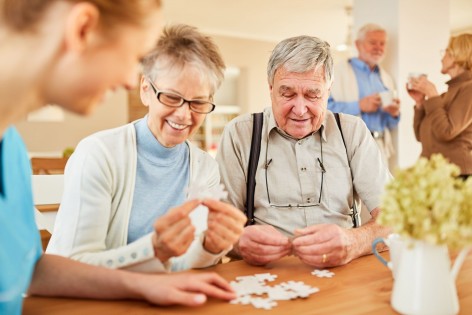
(367, 28)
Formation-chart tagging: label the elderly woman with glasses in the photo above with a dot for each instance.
(443, 122)
(124, 203)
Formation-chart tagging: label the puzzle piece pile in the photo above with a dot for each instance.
(247, 286)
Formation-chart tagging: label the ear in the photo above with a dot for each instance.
(144, 89)
(358, 43)
(329, 88)
(81, 25)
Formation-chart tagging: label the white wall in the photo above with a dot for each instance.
(56, 136)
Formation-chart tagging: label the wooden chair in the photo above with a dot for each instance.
(47, 194)
(48, 166)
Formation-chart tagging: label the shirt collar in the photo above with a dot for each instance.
(361, 65)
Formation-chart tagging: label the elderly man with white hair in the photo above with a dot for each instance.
(310, 168)
(358, 83)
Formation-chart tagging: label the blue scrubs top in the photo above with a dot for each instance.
(20, 244)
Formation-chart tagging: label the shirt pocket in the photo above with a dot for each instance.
(338, 189)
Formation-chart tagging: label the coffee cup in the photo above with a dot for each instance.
(414, 75)
(386, 97)
(395, 245)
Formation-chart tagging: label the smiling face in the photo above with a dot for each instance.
(173, 125)
(371, 49)
(106, 63)
(299, 101)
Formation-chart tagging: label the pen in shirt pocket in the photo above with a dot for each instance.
(321, 165)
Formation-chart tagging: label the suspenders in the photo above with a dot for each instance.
(254, 159)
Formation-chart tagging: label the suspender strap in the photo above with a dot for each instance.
(252, 167)
(356, 219)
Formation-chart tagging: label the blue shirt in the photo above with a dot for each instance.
(20, 244)
(162, 177)
(368, 82)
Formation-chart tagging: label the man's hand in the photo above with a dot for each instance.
(262, 244)
(190, 289)
(225, 226)
(370, 103)
(394, 108)
(174, 232)
(323, 245)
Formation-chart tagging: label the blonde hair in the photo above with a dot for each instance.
(24, 15)
(181, 45)
(460, 47)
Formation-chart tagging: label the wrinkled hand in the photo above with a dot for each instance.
(311, 243)
(190, 289)
(394, 108)
(225, 225)
(262, 244)
(417, 96)
(370, 103)
(424, 86)
(174, 232)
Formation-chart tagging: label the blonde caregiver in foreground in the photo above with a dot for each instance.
(70, 53)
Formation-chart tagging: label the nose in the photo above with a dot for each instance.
(184, 110)
(299, 107)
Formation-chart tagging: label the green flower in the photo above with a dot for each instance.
(428, 202)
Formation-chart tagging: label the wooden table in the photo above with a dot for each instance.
(362, 287)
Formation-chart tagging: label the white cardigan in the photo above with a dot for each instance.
(92, 222)
(345, 89)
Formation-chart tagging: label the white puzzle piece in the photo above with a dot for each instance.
(322, 273)
(250, 290)
(199, 215)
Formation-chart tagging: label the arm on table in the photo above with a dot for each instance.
(62, 277)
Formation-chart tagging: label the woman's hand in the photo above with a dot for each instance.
(190, 289)
(417, 96)
(421, 88)
(225, 226)
(174, 231)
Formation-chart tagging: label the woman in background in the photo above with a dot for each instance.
(70, 53)
(443, 123)
(120, 183)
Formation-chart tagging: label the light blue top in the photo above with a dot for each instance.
(162, 177)
(20, 244)
(369, 82)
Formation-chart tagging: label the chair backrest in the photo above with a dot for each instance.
(47, 194)
(48, 165)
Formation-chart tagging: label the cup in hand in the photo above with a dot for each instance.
(386, 97)
(414, 75)
(395, 245)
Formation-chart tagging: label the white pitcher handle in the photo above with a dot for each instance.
(459, 261)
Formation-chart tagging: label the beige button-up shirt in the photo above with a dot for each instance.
(292, 191)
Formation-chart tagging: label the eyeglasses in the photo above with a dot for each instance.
(174, 100)
(443, 52)
(296, 205)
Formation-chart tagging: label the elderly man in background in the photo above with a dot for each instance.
(357, 87)
(306, 178)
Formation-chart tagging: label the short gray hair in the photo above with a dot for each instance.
(181, 45)
(301, 54)
(367, 28)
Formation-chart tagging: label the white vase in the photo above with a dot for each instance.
(424, 283)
